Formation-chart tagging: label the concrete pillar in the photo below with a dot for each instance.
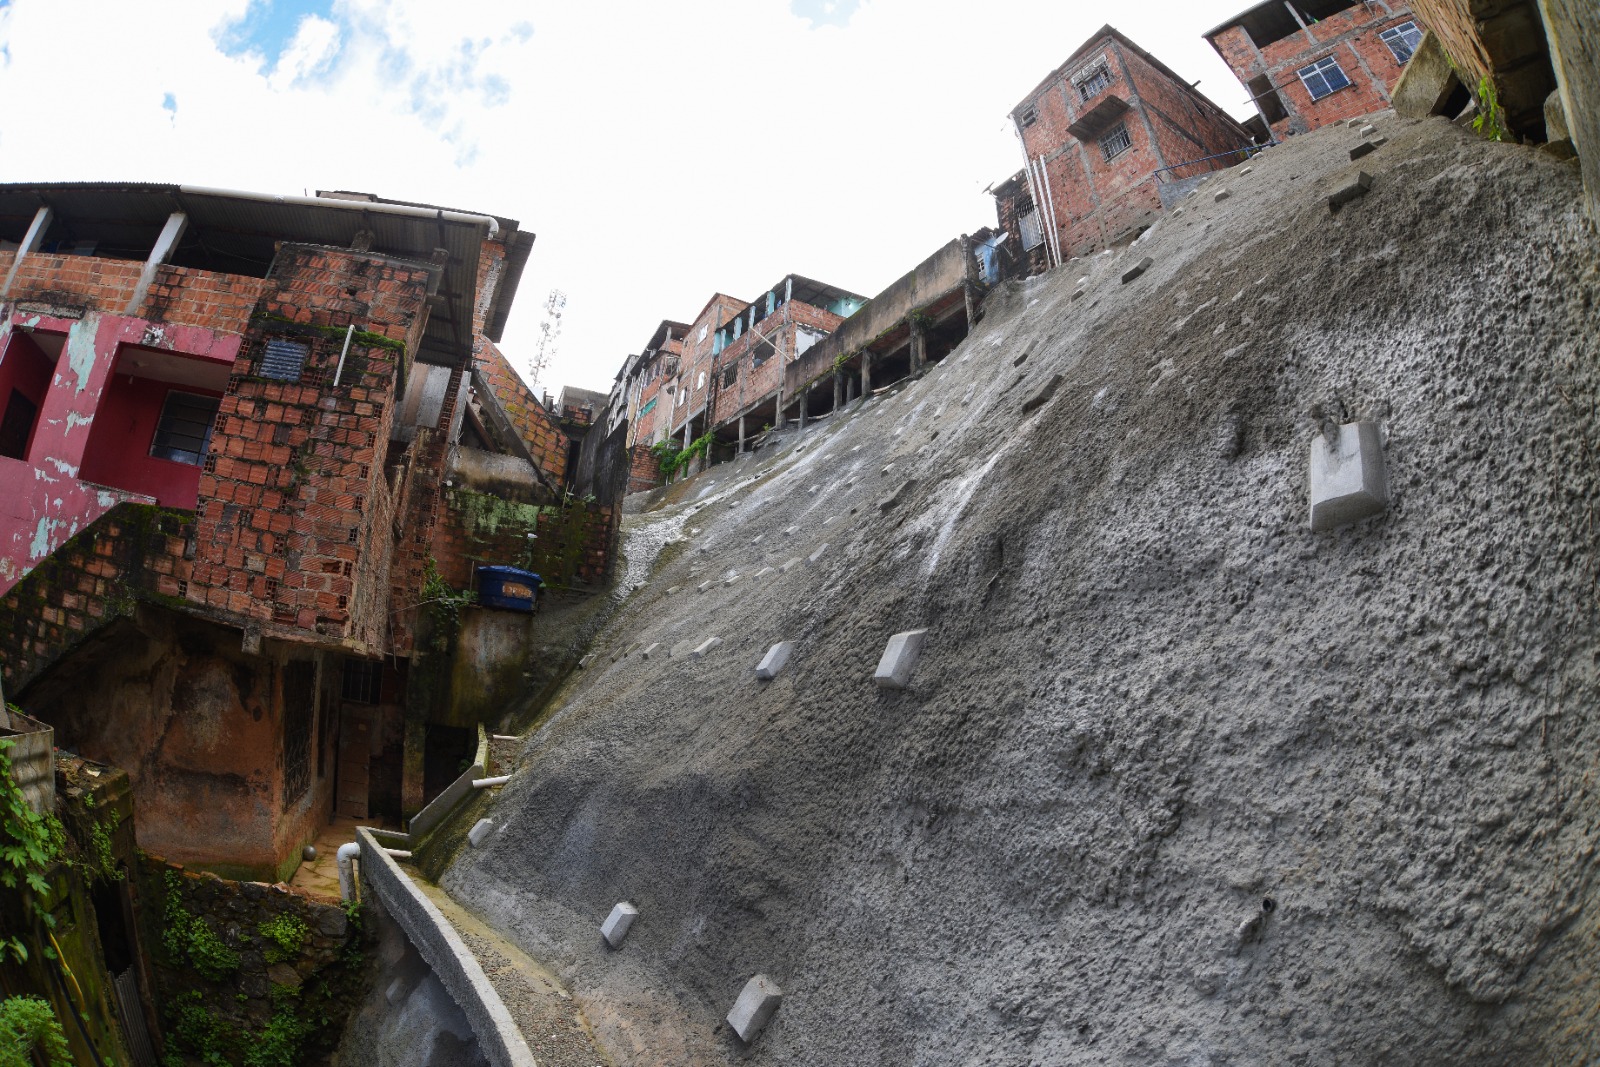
(805, 402)
(866, 373)
(838, 390)
(741, 435)
(416, 743)
(919, 345)
(29, 245)
(177, 222)
(972, 304)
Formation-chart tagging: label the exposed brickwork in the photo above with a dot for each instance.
(755, 384)
(219, 302)
(1100, 201)
(571, 544)
(644, 469)
(1350, 37)
(133, 551)
(690, 385)
(294, 489)
(1504, 41)
(536, 426)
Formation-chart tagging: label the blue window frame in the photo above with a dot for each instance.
(1323, 77)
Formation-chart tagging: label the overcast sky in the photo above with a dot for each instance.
(661, 151)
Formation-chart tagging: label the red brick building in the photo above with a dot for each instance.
(1311, 63)
(240, 432)
(1102, 136)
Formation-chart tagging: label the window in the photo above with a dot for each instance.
(362, 680)
(1032, 236)
(184, 430)
(1027, 116)
(1116, 142)
(1402, 41)
(1094, 82)
(700, 383)
(17, 425)
(1323, 77)
(648, 408)
(283, 360)
(299, 715)
(703, 330)
(730, 376)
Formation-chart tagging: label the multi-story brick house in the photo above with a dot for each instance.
(1309, 63)
(238, 436)
(1102, 136)
(685, 391)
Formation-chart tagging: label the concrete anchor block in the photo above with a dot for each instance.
(1042, 397)
(790, 565)
(647, 653)
(615, 928)
(899, 659)
(818, 554)
(754, 1008)
(673, 590)
(1247, 170)
(1365, 148)
(1368, 130)
(1137, 269)
(791, 531)
(396, 991)
(704, 647)
(1350, 192)
(732, 578)
(583, 664)
(703, 586)
(894, 498)
(764, 571)
(1220, 195)
(1348, 479)
(774, 660)
(756, 540)
(480, 832)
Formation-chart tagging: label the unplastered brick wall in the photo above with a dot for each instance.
(133, 552)
(292, 492)
(755, 384)
(219, 302)
(538, 429)
(644, 469)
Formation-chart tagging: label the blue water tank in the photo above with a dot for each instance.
(508, 588)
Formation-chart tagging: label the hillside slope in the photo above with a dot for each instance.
(1151, 700)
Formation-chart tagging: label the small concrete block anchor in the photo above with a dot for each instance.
(774, 660)
(899, 659)
(583, 664)
(647, 653)
(615, 928)
(764, 571)
(1042, 397)
(705, 646)
(1368, 130)
(1348, 479)
(1220, 195)
(1365, 148)
(894, 498)
(480, 832)
(790, 565)
(1137, 269)
(703, 586)
(1246, 170)
(732, 578)
(818, 554)
(754, 1008)
(1350, 192)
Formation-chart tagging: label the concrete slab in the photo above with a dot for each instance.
(818, 554)
(615, 928)
(899, 659)
(754, 1008)
(1350, 191)
(704, 647)
(480, 832)
(1137, 269)
(1348, 480)
(774, 660)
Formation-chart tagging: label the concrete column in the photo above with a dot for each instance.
(30, 245)
(919, 346)
(850, 389)
(416, 740)
(741, 435)
(972, 304)
(866, 373)
(805, 402)
(688, 424)
(838, 390)
(170, 235)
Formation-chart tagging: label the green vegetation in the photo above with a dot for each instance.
(288, 934)
(1491, 120)
(443, 603)
(199, 1031)
(187, 937)
(673, 459)
(29, 844)
(28, 1024)
(278, 1043)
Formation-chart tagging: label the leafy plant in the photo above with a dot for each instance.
(29, 1023)
(444, 604)
(29, 843)
(1491, 120)
(666, 453)
(278, 1043)
(199, 1030)
(102, 861)
(288, 935)
(187, 937)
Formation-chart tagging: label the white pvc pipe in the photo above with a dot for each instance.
(349, 205)
(1051, 197)
(347, 875)
(339, 370)
(488, 783)
(1033, 191)
(398, 853)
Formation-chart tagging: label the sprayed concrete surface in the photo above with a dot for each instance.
(1176, 780)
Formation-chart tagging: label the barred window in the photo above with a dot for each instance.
(1402, 41)
(1027, 116)
(1094, 83)
(1116, 142)
(1032, 233)
(183, 432)
(1323, 77)
(299, 715)
(363, 680)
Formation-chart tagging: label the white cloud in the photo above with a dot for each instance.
(661, 151)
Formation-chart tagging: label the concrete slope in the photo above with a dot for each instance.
(1175, 781)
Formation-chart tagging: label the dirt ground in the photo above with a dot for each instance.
(1176, 780)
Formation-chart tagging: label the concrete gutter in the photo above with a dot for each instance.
(454, 793)
(454, 964)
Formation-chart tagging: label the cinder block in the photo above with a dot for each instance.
(732, 578)
(705, 646)
(818, 554)
(1348, 481)
(899, 659)
(1137, 269)
(1368, 130)
(1246, 170)
(583, 664)
(774, 660)
(754, 1008)
(480, 832)
(1042, 397)
(1349, 192)
(1366, 148)
(615, 928)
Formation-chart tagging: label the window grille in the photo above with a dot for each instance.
(299, 713)
(362, 680)
(183, 433)
(1027, 116)
(1032, 234)
(1095, 82)
(1116, 142)
(730, 376)
(284, 360)
(1402, 41)
(1323, 77)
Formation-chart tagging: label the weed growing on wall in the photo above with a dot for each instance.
(288, 935)
(29, 843)
(187, 937)
(1491, 120)
(27, 1025)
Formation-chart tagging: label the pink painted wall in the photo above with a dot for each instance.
(24, 367)
(118, 453)
(43, 502)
